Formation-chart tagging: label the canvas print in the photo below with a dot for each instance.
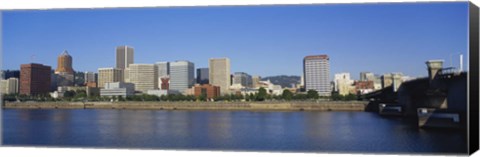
(349, 78)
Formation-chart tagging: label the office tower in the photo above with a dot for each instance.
(343, 83)
(163, 69)
(64, 73)
(90, 77)
(107, 75)
(181, 76)
(202, 76)
(64, 64)
(34, 79)
(10, 73)
(124, 57)
(163, 74)
(9, 86)
(316, 70)
(243, 79)
(219, 74)
(144, 76)
(256, 81)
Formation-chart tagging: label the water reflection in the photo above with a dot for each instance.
(231, 130)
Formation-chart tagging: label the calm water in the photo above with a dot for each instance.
(225, 130)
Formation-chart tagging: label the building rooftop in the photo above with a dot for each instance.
(317, 57)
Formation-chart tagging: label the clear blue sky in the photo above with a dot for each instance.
(259, 40)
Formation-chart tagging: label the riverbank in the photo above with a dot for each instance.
(255, 106)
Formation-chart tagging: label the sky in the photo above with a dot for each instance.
(259, 40)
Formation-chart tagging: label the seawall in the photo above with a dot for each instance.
(265, 106)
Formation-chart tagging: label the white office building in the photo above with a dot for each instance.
(181, 75)
(118, 89)
(9, 86)
(316, 71)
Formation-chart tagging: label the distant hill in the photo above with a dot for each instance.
(283, 80)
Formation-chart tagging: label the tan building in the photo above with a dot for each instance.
(124, 57)
(256, 81)
(9, 86)
(143, 76)
(108, 75)
(219, 74)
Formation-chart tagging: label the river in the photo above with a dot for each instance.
(351, 132)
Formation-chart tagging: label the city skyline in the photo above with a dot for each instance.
(272, 43)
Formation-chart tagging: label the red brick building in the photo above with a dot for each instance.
(209, 90)
(35, 79)
(91, 84)
(363, 87)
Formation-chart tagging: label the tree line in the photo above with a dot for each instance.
(261, 95)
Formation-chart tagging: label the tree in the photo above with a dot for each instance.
(202, 97)
(351, 97)
(69, 94)
(287, 94)
(312, 94)
(262, 94)
(252, 97)
(335, 96)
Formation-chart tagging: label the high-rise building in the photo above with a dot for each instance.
(144, 76)
(64, 64)
(219, 74)
(34, 79)
(90, 77)
(9, 86)
(316, 70)
(124, 57)
(181, 75)
(256, 81)
(6, 74)
(107, 75)
(64, 73)
(243, 79)
(163, 69)
(202, 76)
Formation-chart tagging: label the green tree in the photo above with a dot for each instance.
(69, 94)
(312, 94)
(262, 94)
(202, 97)
(351, 97)
(287, 94)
